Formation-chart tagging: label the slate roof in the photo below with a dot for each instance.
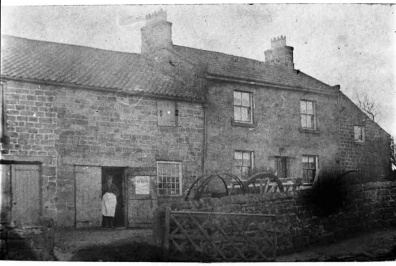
(221, 64)
(84, 66)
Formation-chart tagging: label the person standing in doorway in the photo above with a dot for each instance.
(109, 202)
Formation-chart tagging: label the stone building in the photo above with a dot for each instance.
(72, 115)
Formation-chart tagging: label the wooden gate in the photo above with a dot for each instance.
(142, 199)
(25, 189)
(88, 184)
(214, 236)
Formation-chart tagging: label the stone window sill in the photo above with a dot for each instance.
(169, 196)
(242, 124)
(167, 128)
(359, 142)
(310, 131)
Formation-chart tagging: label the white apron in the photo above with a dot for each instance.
(109, 202)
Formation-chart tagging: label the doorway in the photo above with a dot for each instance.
(22, 193)
(120, 218)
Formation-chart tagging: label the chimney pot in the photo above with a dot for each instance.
(157, 33)
(280, 54)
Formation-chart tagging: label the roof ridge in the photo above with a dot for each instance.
(261, 63)
(87, 67)
(203, 50)
(68, 44)
(256, 63)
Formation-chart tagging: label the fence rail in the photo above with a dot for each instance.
(215, 236)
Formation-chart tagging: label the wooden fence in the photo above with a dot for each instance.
(214, 236)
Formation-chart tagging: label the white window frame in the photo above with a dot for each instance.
(242, 106)
(161, 176)
(239, 172)
(305, 115)
(362, 133)
(316, 160)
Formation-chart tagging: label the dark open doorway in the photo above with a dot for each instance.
(118, 180)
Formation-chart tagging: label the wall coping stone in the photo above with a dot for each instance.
(240, 199)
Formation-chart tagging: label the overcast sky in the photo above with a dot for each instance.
(345, 44)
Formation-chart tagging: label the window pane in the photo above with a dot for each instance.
(309, 165)
(310, 176)
(303, 107)
(309, 122)
(281, 167)
(245, 171)
(358, 133)
(237, 98)
(237, 113)
(305, 176)
(245, 114)
(238, 159)
(303, 121)
(246, 162)
(313, 122)
(246, 99)
(238, 163)
(237, 170)
(242, 163)
(309, 108)
(168, 178)
(246, 156)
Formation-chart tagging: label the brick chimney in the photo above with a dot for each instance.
(280, 54)
(157, 33)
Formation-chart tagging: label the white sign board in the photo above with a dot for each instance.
(142, 185)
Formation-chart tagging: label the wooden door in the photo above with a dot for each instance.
(25, 189)
(88, 196)
(142, 199)
(5, 197)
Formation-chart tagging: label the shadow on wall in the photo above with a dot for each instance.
(328, 195)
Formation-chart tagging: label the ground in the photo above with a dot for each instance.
(376, 245)
(103, 245)
(134, 245)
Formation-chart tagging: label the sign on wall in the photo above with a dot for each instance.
(142, 185)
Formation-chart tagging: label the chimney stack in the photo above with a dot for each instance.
(280, 54)
(157, 33)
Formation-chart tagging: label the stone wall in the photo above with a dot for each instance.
(62, 126)
(370, 157)
(276, 131)
(31, 120)
(318, 216)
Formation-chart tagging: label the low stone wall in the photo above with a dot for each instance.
(320, 215)
(29, 243)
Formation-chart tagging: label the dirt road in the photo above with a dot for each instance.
(376, 245)
(134, 245)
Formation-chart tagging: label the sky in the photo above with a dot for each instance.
(352, 45)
